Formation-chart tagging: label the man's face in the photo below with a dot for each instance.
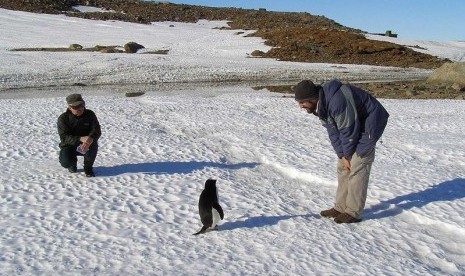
(77, 110)
(309, 105)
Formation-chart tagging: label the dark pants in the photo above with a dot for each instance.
(68, 156)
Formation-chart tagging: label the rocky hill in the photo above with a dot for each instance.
(294, 36)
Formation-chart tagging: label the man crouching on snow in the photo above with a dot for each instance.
(355, 121)
(79, 131)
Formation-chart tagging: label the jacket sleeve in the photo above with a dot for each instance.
(64, 131)
(95, 132)
(375, 123)
(333, 134)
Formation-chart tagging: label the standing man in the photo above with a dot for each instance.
(355, 121)
(79, 131)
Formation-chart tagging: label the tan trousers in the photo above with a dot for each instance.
(352, 186)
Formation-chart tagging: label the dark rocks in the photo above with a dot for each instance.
(257, 53)
(75, 47)
(132, 47)
(133, 94)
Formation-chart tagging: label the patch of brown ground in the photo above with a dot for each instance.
(418, 89)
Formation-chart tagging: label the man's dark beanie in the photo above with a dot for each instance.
(306, 90)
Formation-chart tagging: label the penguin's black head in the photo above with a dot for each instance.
(210, 184)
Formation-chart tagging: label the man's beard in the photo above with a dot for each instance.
(312, 111)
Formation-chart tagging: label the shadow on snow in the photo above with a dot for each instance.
(446, 191)
(168, 167)
(260, 221)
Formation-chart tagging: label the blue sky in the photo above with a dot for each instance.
(415, 19)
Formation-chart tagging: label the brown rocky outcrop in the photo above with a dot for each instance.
(450, 73)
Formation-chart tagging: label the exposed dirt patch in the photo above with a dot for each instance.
(418, 89)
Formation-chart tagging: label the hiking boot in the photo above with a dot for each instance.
(72, 169)
(89, 172)
(330, 213)
(346, 218)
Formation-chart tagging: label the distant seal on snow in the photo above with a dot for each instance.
(210, 210)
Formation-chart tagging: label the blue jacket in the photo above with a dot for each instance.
(354, 119)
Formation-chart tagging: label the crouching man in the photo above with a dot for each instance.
(79, 131)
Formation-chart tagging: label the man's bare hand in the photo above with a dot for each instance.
(346, 163)
(86, 140)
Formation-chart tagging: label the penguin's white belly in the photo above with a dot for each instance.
(216, 218)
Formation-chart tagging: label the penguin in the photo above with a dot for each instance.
(210, 210)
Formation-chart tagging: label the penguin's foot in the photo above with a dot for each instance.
(202, 231)
(206, 229)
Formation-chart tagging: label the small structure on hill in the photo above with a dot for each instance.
(390, 34)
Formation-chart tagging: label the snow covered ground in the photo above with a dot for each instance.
(273, 162)
(453, 50)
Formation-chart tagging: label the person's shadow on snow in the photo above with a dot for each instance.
(446, 191)
(167, 167)
(259, 221)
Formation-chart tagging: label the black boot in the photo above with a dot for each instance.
(89, 171)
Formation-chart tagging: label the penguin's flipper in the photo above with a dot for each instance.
(218, 208)
(202, 231)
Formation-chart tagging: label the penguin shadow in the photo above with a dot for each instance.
(168, 167)
(445, 191)
(259, 221)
